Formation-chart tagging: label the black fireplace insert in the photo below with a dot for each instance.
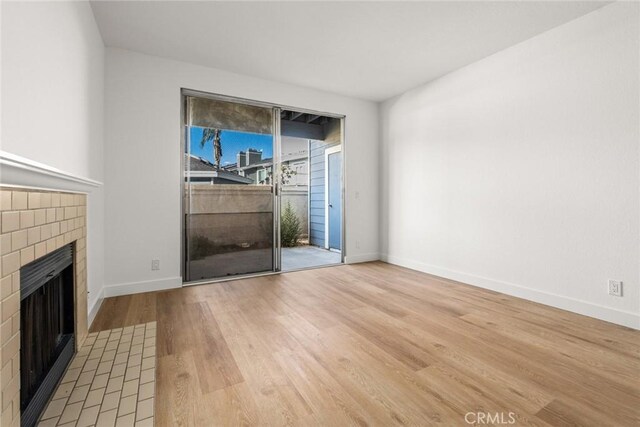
(47, 333)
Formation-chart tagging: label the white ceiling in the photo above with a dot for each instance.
(369, 50)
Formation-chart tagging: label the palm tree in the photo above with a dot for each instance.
(209, 134)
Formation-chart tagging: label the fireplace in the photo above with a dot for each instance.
(46, 328)
(35, 223)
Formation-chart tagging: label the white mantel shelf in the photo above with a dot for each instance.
(19, 171)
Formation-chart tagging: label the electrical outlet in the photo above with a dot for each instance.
(357, 244)
(615, 288)
(155, 264)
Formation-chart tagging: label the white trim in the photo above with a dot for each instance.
(18, 162)
(276, 186)
(93, 311)
(145, 286)
(309, 190)
(354, 259)
(327, 151)
(609, 314)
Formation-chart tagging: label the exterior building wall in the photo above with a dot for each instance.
(316, 191)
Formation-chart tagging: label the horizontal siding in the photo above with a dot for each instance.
(318, 168)
(317, 204)
(319, 228)
(316, 186)
(316, 193)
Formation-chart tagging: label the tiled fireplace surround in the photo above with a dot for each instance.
(34, 223)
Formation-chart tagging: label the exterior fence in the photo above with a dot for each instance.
(239, 215)
(299, 199)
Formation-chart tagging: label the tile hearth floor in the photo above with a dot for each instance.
(109, 382)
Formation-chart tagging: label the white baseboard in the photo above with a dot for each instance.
(620, 317)
(354, 259)
(95, 308)
(145, 286)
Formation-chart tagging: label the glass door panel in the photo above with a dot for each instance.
(229, 192)
(310, 190)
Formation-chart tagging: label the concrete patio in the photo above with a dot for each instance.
(307, 256)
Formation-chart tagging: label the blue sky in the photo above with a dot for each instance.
(232, 142)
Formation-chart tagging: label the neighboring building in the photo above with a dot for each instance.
(248, 157)
(202, 171)
(250, 164)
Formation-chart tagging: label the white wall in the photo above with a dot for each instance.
(143, 162)
(52, 101)
(520, 172)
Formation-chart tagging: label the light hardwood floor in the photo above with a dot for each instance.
(376, 344)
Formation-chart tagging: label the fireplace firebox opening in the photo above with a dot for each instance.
(47, 331)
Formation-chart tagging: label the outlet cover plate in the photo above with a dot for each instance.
(615, 288)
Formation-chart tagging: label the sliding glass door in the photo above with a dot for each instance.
(229, 194)
(262, 188)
